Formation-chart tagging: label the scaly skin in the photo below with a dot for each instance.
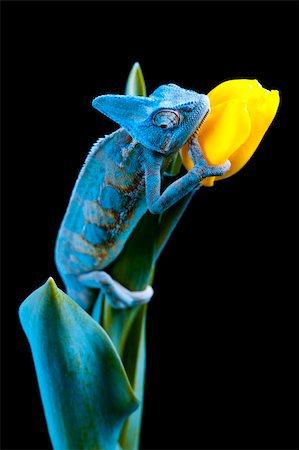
(107, 202)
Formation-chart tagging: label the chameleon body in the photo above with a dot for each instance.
(120, 180)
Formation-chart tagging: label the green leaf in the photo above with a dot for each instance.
(134, 265)
(84, 388)
(133, 268)
(175, 166)
(169, 220)
(135, 83)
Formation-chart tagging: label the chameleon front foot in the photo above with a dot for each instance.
(118, 296)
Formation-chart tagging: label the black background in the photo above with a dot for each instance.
(221, 336)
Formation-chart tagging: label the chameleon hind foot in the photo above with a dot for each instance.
(118, 296)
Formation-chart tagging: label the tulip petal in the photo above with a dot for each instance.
(235, 89)
(261, 118)
(84, 388)
(225, 130)
(187, 161)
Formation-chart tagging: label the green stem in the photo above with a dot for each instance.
(133, 268)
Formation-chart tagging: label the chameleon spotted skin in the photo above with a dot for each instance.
(120, 180)
(106, 204)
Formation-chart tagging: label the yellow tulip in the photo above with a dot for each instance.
(241, 112)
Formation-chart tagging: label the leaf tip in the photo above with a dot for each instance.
(46, 295)
(135, 82)
(51, 285)
(136, 66)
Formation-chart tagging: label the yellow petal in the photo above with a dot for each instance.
(261, 118)
(187, 161)
(208, 182)
(224, 131)
(241, 88)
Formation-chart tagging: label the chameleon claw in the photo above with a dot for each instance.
(220, 170)
(118, 296)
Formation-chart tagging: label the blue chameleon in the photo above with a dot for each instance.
(121, 179)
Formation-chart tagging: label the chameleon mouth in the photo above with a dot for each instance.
(196, 132)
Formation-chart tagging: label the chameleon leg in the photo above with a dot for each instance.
(116, 294)
(158, 203)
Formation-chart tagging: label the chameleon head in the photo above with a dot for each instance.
(162, 122)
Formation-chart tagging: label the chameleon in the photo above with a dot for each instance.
(121, 179)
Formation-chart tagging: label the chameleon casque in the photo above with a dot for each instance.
(121, 179)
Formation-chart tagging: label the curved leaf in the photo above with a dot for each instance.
(85, 391)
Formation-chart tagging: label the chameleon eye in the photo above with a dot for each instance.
(166, 118)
